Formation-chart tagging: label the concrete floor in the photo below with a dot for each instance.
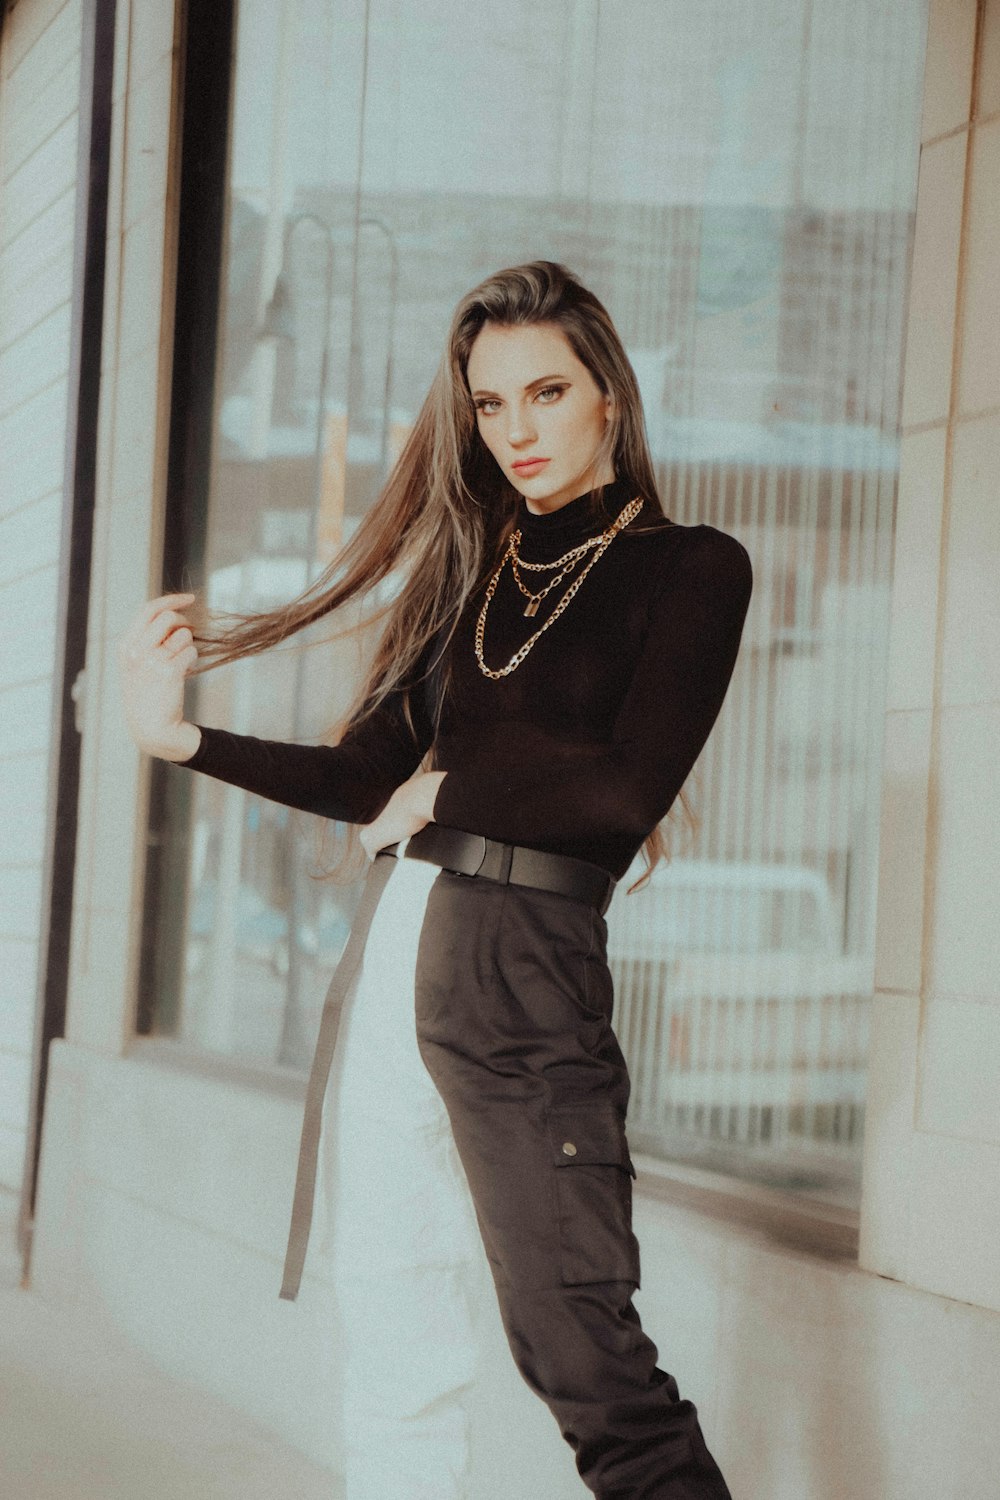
(86, 1417)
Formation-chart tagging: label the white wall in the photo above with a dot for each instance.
(931, 1212)
(39, 93)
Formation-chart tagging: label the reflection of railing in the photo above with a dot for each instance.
(279, 322)
(758, 1072)
(742, 1022)
(279, 319)
(381, 225)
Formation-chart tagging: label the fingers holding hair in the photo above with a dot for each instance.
(155, 624)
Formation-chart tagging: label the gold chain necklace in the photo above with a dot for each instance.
(565, 564)
(573, 555)
(600, 544)
(534, 600)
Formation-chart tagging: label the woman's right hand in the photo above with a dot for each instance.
(154, 657)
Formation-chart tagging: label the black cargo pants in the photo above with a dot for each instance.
(513, 1015)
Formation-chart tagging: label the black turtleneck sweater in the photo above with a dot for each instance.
(584, 747)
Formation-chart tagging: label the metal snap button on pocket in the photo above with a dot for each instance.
(568, 1148)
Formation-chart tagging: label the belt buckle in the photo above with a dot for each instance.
(470, 874)
(482, 857)
(496, 861)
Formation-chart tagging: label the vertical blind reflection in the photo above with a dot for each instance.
(737, 184)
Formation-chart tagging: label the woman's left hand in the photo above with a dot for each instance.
(410, 808)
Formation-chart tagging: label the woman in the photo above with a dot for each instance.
(548, 672)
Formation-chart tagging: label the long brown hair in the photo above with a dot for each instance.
(446, 510)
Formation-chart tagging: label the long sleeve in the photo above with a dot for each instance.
(538, 789)
(351, 781)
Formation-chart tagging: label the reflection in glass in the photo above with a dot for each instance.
(737, 184)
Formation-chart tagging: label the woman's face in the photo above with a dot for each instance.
(539, 411)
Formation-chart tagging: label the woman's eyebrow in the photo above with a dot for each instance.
(542, 380)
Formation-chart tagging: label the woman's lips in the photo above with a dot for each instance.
(529, 466)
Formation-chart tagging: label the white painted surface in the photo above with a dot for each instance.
(39, 90)
(931, 1209)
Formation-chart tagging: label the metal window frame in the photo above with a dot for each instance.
(201, 227)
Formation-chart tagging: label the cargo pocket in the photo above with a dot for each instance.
(593, 1187)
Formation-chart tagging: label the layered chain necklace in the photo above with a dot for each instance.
(563, 566)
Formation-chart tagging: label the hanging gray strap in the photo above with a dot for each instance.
(343, 978)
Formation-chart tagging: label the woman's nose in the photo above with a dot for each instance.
(520, 428)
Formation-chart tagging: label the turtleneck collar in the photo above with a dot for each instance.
(561, 529)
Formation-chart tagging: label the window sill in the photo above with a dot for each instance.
(163, 1051)
(783, 1219)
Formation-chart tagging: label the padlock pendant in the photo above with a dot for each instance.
(531, 608)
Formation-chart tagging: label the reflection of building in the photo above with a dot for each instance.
(765, 327)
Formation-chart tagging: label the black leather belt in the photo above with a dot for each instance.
(472, 854)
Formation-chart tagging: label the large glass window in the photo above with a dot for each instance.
(737, 183)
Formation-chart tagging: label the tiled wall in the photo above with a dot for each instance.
(39, 93)
(931, 1213)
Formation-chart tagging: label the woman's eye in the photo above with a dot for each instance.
(482, 405)
(550, 393)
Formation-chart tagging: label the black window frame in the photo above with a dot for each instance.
(207, 37)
